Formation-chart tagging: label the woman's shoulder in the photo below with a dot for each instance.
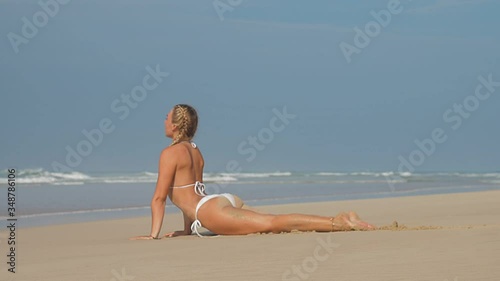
(182, 156)
(170, 150)
(174, 151)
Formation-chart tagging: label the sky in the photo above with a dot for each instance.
(279, 85)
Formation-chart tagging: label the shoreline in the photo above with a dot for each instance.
(42, 205)
(278, 208)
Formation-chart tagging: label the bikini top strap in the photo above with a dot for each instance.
(199, 188)
(184, 186)
(192, 144)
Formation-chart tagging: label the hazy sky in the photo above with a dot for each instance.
(411, 73)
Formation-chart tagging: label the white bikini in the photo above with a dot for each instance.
(199, 189)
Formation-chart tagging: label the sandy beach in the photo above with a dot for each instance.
(440, 237)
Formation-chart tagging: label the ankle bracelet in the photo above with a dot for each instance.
(333, 224)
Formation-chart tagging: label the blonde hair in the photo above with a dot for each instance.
(185, 118)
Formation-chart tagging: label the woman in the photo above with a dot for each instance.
(180, 177)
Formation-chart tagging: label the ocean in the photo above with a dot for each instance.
(48, 198)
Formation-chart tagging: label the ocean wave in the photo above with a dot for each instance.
(221, 178)
(477, 175)
(350, 181)
(257, 175)
(29, 171)
(39, 176)
(365, 174)
(326, 174)
(128, 180)
(71, 176)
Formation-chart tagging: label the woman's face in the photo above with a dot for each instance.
(169, 127)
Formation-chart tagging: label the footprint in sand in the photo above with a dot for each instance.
(395, 226)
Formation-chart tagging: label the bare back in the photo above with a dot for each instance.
(189, 169)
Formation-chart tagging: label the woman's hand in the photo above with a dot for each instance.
(149, 237)
(175, 234)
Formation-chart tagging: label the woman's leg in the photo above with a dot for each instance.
(222, 218)
(300, 222)
(241, 205)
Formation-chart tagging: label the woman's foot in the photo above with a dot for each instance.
(350, 221)
(341, 222)
(358, 224)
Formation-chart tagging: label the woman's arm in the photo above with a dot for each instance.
(166, 171)
(187, 225)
